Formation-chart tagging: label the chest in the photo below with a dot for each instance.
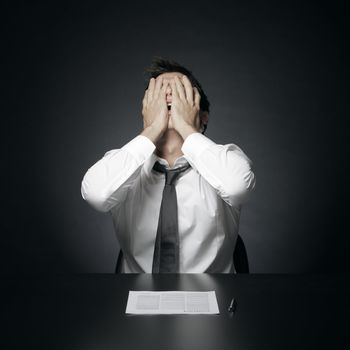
(195, 197)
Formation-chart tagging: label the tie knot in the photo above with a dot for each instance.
(170, 174)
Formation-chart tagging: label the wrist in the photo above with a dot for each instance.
(152, 132)
(186, 130)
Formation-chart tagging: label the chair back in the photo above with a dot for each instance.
(240, 257)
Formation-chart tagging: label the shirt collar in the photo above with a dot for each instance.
(148, 165)
(178, 162)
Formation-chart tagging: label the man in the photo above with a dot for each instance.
(188, 224)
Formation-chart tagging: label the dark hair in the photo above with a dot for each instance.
(160, 65)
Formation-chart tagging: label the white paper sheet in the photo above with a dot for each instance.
(171, 302)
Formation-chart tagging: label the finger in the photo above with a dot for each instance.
(188, 88)
(197, 97)
(163, 89)
(145, 99)
(180, 88)
(162, 93)
(157, 87)
(151, 89)
(174, 92)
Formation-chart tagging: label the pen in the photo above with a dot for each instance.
(232, 307)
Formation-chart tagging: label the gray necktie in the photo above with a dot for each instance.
(166, 248)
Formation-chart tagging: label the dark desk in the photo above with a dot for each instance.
(88, 312)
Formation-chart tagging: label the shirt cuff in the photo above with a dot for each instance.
(140, 147)
(195, 144)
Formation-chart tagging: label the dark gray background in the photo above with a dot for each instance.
(276, 77)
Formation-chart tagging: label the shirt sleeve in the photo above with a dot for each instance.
(107, 182)
(225, 167)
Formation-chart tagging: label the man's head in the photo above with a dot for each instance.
(168, 69)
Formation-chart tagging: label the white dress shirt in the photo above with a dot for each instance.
(209, 194)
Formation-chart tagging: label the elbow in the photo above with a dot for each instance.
(237, 190)
(94, 197)
(249, 180)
